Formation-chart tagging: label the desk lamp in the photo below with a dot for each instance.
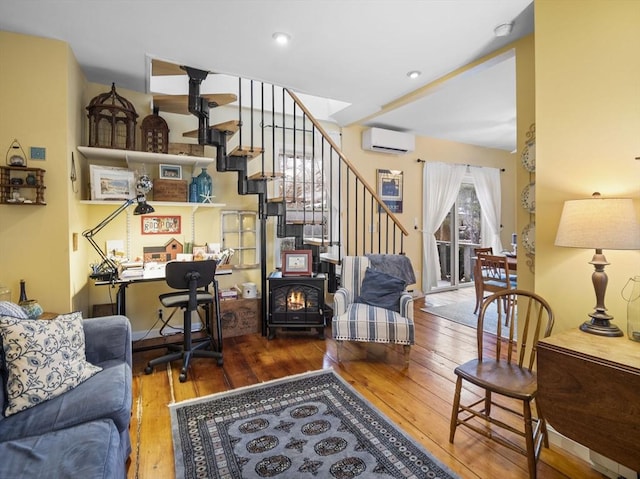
(599, 223)
(108, 269)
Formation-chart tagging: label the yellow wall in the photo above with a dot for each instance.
(588, 130)
(35, 108)
(526, 117)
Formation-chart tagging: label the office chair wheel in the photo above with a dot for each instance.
(183, 376)
(148, 370)
(220, 362)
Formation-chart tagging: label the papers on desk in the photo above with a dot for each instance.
(150, 270)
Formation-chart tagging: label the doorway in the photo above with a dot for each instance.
(457, 236)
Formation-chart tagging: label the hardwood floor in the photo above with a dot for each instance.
(417, 399)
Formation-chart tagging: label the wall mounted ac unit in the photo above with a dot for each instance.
(388, 141)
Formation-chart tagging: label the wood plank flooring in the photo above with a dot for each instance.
(417, 399)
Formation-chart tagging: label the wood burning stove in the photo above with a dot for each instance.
(296, 302)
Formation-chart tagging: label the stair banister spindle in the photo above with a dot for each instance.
(240, 110)
(273, 130)
(371, 217)
(364, 220)
(284, 153)
(262, 159)
(251, 110)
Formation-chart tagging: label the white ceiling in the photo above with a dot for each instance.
(354, 51)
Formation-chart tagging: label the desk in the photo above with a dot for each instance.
(146, 277)
(589, 391)
(512, 263)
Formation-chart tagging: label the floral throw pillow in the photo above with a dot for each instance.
(43, 359)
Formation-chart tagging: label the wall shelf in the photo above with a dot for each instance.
(132, 156)
(195, 206)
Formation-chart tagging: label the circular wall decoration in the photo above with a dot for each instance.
(529, 157)
(528, 198)
(529, 238)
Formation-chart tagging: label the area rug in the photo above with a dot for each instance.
(312, 425)
(462, 312)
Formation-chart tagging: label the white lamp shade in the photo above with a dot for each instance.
(599, 223)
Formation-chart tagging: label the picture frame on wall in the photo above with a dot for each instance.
(160, 225)
(170, 172)
(390, 184)
(111, 183)
(296, 262)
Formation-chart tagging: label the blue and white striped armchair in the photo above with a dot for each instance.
(358, 321)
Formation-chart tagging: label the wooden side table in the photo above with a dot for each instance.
(589, 391)
(47, 315)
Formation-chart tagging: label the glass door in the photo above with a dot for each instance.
(456, 238)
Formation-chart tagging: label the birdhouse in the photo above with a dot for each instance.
(112, 121)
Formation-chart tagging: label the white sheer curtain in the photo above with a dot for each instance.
(441, 185)
(487, 183)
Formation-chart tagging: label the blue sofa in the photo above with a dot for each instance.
(85, 431)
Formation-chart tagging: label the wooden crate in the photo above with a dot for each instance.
(190, 149)
(170, 190)
(240, 316)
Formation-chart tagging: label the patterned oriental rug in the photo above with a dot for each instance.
(312, 425)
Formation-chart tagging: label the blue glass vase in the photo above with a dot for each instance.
(205, 187)
(193, 190)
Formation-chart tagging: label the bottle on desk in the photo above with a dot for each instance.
(23, 291)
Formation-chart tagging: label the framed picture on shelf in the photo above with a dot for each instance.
(170, 172)
(296, 262)
(160, 225)
(110, 183)
(390, 189)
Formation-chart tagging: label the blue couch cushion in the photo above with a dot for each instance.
(88, 450)
(105, 395)
(381, 289)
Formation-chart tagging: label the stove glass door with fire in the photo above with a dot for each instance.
(296, 302)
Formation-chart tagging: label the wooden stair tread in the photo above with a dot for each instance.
(229, 127)
(162, 68)
(329, 259)
(306, 222)
(180, 103)
(247, 151)
(266, 176)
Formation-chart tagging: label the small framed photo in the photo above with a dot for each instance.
(109, 183)
(296, 262)
(160, 225)
(170, 172)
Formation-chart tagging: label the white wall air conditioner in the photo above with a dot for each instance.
(388, 141)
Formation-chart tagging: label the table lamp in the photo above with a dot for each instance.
(108, 269)
(599, 223)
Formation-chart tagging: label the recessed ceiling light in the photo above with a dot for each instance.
(503, 30)
(414, 74)
(281, 38)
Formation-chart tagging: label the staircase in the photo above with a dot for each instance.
(327, 206)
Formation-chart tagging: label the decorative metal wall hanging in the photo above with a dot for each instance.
(15, 154)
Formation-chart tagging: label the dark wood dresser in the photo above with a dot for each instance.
(589, 391)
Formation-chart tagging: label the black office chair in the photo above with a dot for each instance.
(189, 276)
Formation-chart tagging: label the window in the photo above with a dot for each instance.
(303, 189)
(240, 233)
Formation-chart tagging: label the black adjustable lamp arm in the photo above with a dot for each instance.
(108, 266)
